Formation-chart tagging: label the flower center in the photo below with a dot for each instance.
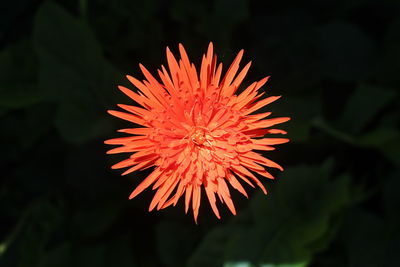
(198, 136)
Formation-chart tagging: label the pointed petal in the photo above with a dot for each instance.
(230, 74)
(188, 195)
(211, 198)
(146, 183)
(128, 117)
(223, 191)
(262, 103)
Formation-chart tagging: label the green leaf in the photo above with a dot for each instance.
(68, 53)
(392, 151)
(36, 118)
(389, 63)
(89, 255)
(28, 241)
(300, 264)
(120, 252)
(58, 256)
(211, 250)
(94, 219)
(116, 252)
(73, 72)
(78, 122)
(322, 125)
(363, 105)
(362, 232)
(288, 227)
(175, 242)
(247, 264)
(18, 86)
(133, 17)
(391, 196)
(385, 140)
(361, 108)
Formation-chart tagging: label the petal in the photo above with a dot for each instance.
(128, 117)
(146, 183)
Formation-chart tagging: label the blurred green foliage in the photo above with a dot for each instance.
(336, 63)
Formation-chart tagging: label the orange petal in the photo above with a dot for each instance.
(137, 131)
(196, 201)
(137, 98)
(146, 183)
(173, 67)
(223, 191)
(236, 184)
(211, 198)
(262, 103)
(188, 195)
(140, 166)
(230, 74)
(268, 123)
(128, 117)
(270, 141)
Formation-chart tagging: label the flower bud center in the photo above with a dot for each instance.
(198, 136)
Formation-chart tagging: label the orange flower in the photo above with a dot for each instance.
(196, 132)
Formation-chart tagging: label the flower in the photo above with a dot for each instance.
(197, 132)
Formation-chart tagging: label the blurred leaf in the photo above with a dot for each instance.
(373, 239)
(58, 256)
(89, 255)
(322, 125)
(392, 253)
(18, 87)
(77, 121)
(247, 264)
(69, 55)
(211, 251)
(28, 242)
(300, 264)
(363, 105)
(362, 108)
(38, 119)
(109, 17)
(288, 227)
(120, 252)
(23, 129)
(389, 63)
(392, 151)
(363, 232)
(117, 252)
(92, 220)
(378, 137)
(238, 264)
(175, 242)
(74, 73)
(385, 140)
(391, 196)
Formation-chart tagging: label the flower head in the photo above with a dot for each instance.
(197, 132)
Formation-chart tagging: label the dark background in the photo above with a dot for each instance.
(337, 65)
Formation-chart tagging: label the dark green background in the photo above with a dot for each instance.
(337, 65)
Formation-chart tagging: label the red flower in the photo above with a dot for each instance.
(196, 132)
